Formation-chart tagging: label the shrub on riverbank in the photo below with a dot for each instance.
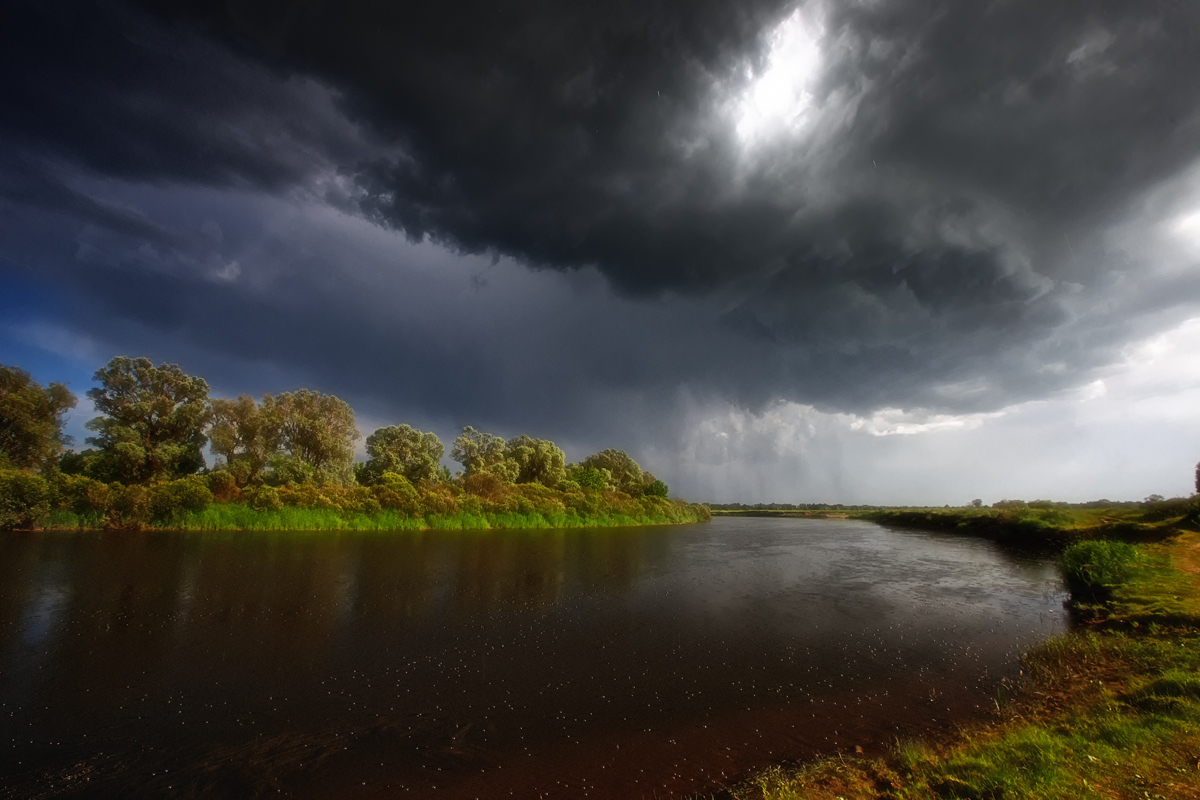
(1095, 568)
(70, 501)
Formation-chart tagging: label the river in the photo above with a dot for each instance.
(632, 662)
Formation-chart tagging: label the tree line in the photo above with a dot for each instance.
(146, 457)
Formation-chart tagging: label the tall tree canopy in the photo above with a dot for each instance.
(481, 452)
(316, 429)
(245, 434)
(537, 460)
(153, 423)
(626, 474)
(31, 419)
(405, 451)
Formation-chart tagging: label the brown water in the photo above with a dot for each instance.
(640, 662)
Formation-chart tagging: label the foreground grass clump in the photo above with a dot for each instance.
(1095, 568)
(1112, 710)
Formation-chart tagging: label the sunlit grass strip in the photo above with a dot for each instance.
(1111, 711)
(237, 517)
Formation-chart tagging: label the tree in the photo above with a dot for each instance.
(31, 419)
(656, 488)
(153, 423)
(627, 475)
(317, 429)
(403, 450)
(245, 434)
(538, 460)
(481, 452)
(977, 503)
(589, 478)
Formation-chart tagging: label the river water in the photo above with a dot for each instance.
(637, 662)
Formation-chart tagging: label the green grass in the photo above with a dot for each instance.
(238, 517)
(1110, 710)
(1095, 567)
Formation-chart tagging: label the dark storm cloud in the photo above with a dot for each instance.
(569, 137)
(98, 86)
(933, 236)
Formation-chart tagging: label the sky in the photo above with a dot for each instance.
(866, 251)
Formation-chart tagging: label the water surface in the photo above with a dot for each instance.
(630, 662)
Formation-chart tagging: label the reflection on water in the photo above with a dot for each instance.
(621, 662)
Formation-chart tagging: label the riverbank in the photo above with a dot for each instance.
(1048, 525)
(240, 517)
(1109, 710)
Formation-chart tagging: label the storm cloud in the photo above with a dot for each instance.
(603, 223)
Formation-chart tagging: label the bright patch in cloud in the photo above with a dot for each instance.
(1187, 228)
(896, 422)
(779, 98)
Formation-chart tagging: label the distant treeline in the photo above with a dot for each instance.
(1001, 504)
(294, 450)
(786, 507)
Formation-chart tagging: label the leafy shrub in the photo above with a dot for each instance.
(358, 500)
(657, 489)
(86, 497)
(306, 496)
(396, 493)
(266, 498)
(129, 506)
(593, 478)
(24, 499)
(168, 501)
(223, 485)
(1095, 568)
(438, 498)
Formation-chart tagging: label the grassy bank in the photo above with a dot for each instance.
(1109, 710)
(240, 517)
(1045, 524)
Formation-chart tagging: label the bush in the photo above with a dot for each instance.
(89, 499)
(168, 501)
(657, 489)
(24, 499)
(129, 506)
(1094, 568)
(223, 485)
(395, 493)
(266, 498)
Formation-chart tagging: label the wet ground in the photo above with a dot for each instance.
(647, 662)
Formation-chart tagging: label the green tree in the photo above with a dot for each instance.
(656, 488)
(403, 450)
(317, 429)
(589, 477)
(481, 452)
(538, 461)
(627, 475)
(31, 419)
(153, 423)
(245, 434)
